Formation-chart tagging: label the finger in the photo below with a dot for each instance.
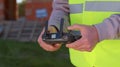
(46, 46)
(49, 47)
(40, 36)
(75, 44)
(79, 49)
(85, 47)
(76, 27)
(42, 33)
(82, 50)
(57, 45)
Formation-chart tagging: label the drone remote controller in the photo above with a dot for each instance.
(60, 37)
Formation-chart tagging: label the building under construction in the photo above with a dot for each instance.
(34, 9)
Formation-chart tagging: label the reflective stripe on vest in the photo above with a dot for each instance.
(95, 6)
(102, 6)
(76, 8)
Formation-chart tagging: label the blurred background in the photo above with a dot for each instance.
(21, 22)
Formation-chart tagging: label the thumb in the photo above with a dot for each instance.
(75, 27)
(42, 32)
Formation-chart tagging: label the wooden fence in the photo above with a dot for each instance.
(22, 31)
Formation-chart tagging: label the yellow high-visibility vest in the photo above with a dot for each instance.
(89, 12)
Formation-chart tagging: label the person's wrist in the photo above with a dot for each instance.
(95, 33)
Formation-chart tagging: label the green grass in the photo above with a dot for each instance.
(30, 54)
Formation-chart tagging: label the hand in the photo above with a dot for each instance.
(61, 5)
(47, 47)
(89, 38)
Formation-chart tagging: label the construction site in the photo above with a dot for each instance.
(28, 26)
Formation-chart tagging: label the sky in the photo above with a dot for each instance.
(18, 1)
